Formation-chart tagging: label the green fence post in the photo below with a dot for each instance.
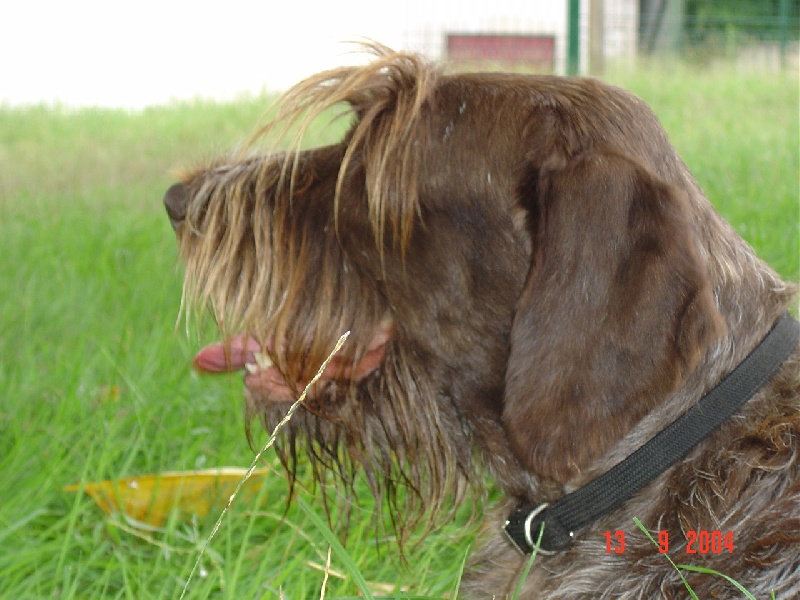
(573, 36)
(783, 13)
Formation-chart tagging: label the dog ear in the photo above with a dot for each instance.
(616, 311)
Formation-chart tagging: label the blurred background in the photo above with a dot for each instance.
(93, 52)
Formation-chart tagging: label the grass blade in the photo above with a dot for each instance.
(529, 564)
(461, 572)
(258, 456)
(695, 569)
(706, 571)
(341, 554)
(674, 566)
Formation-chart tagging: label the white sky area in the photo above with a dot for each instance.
(133, 54)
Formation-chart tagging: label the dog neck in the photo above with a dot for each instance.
(559, 521)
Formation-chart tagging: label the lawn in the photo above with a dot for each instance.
(95, 380)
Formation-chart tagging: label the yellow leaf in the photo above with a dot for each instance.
(151, 498)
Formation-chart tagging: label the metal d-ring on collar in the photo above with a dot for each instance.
(608, 491)
(529, 523)
(520, 526)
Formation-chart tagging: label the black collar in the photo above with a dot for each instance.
(564, 517)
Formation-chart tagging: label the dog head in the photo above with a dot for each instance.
(513, 281)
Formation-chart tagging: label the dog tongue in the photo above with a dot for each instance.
(233, 355)
(223, 357)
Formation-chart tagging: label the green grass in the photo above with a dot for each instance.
(94, 374)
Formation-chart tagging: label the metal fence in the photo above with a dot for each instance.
(760, 34)
(585, 35)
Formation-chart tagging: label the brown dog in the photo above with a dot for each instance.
(535, 287)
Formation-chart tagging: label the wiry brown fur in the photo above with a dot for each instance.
(556, 288)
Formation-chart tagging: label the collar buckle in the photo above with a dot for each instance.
(522, 529)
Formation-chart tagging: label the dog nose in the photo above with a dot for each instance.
(175, 200)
